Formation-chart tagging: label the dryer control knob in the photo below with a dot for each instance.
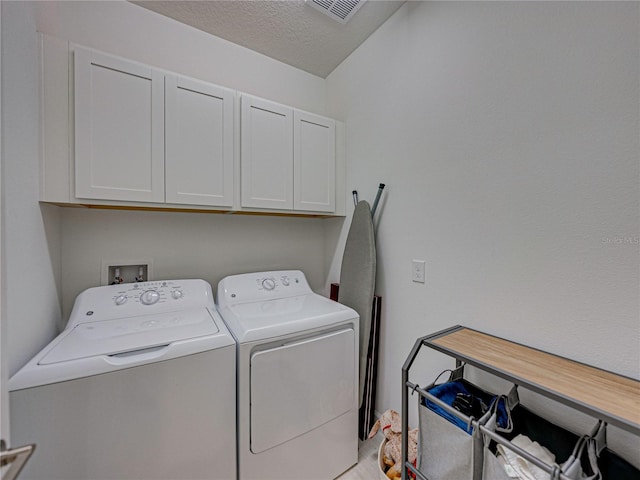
(177, 294)
(268, 284)
(285, 281)
(149, 297)
(121, 300)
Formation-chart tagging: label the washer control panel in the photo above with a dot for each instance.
(132, 299)
(251, 287)
(149, 293)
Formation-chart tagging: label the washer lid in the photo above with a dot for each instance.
(110, 337)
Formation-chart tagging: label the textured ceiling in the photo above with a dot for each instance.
(287, 30)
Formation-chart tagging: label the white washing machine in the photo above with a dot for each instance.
(297, 377)
(140, 385)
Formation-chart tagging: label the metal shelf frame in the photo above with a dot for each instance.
(442, 342)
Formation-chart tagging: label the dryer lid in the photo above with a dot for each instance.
(272, 318)
(110, 337)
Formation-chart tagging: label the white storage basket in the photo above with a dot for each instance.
(446, 451)
(381, 465)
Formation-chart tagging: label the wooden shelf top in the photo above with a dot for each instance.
(606, 395)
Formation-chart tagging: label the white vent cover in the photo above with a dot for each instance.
(340, 10)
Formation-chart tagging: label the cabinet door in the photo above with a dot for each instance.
(119, 129)
(199, 142)
(267, 154)
(314, 164)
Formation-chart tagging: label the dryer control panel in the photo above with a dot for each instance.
(252, 287)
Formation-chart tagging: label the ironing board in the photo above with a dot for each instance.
(357, 278)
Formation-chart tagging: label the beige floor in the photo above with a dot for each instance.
(367, 467)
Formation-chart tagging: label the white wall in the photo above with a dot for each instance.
(122, 28)
(507, 135)
(187, 245)
(31, 233)
(4, 371)
(51, 254)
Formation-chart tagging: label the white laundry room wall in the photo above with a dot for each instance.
(52, 253)
(507, 135)
(188, 245)
(31, 238)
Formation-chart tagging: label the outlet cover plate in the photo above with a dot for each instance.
(418, 271)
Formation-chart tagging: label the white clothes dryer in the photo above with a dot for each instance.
(297, 377)
(139, 385)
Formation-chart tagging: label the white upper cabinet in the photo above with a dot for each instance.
(119, 133)
(314, 162)
(288, 158)
(119, 129)
(144, 135)
(199, 142)
(267, 154)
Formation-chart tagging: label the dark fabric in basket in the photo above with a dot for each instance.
(558, 440)
(613, 467)
(447, 393)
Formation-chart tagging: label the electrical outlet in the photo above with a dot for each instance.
(417, 271)
(126, 271)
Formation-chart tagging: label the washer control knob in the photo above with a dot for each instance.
(285, 281)
(121, 299)
(177, 294)
(268, 284)
(149, 297)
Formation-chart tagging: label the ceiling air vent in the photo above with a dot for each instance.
(340, 10)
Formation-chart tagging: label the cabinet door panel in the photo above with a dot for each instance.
(119, 129)
(314, 163)
(199, 143)
(267, 154)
